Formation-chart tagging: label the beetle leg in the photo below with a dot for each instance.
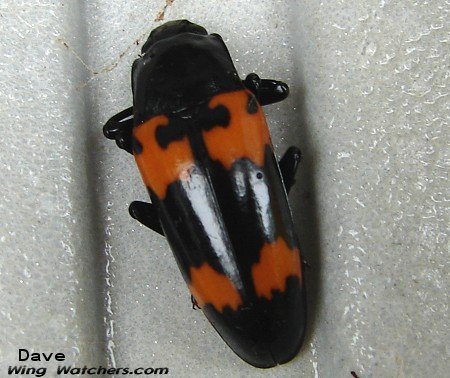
(267, 91)
(252, 83)
(288, 166)
(147, 214)
(195, 305)
(271, 91)
(120, 127)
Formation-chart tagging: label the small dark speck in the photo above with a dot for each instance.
(259, 175)
(354, 374)
(136, 146)
(252, 105)
(137, 42)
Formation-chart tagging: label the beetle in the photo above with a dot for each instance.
(219, 196)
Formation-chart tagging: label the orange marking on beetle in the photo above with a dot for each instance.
(160, 167)
(246, 135)
(277, 262)
(209, 286)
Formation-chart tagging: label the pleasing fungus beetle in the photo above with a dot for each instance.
(203, 148)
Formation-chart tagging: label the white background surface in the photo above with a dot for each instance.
(369, 107)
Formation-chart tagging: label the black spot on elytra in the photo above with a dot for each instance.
(252, 104)
(218, 116)
(175, 130)
(178, 128)
(136, 145)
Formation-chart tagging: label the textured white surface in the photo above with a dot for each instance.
(368, 107)
(50, 266)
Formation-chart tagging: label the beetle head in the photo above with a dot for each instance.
(171, 28)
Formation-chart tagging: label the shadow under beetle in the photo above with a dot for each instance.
(202, 145)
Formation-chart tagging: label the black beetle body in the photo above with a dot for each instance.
(203, 148)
